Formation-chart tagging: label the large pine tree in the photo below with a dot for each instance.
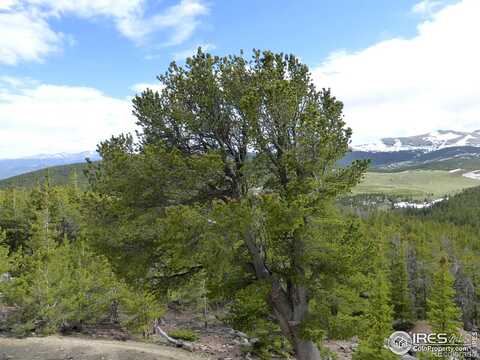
(255, 146)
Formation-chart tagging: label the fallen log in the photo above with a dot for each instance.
(176, 342)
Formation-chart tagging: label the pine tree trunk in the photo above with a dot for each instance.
(290, 310)
(306, 350)
(290, 306)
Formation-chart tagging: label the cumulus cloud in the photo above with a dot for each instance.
(26, 37)
(7, 4)
(46, 118)
(409, 86)
(182, 19)
(27, 34)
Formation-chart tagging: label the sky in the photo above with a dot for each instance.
(69, 68)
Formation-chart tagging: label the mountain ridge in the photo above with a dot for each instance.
(432, 141)
(13, 167)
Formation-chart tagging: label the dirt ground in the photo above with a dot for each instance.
(72, 348)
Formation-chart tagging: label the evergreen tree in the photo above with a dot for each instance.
(379, 318)
(443, 313)
(5, 261)
(194, 148)
(401, 296)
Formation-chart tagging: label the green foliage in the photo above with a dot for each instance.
(138, 309)
(58, 282)
(5, 261)
(401, 294)
(250, 313)
(59, 287)
(191, 174)
(378, 316)
(443, 313)
(184, 334)
(378, 320)
(462, 209)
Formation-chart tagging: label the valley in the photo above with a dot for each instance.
(417, 184)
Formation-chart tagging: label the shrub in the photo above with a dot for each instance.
(183, 334)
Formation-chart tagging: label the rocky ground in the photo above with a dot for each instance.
(74, 348)
(216, 341)
(80, 348)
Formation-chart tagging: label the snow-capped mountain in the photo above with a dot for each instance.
(12, 167)
(441, 149)
(93, 155)
(432, 141)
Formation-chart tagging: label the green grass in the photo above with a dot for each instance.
(418, 184)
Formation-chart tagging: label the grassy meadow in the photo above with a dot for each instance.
(418, 184)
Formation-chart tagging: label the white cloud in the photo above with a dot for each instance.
(130, 18)
(7, 4)
(43, 118)
(139, 88)
(27, 35)
(181, 18)
(182, 55)
(426, 7)
(408, 86)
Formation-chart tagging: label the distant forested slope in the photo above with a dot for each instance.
(58, 175)
(462, 209)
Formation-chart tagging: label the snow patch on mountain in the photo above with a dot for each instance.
(432, 141)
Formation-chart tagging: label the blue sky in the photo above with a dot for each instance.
(69, 67)
(98, 55)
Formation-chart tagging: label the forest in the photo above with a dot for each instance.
(231, 197)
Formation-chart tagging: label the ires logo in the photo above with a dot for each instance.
(433, 338)
(401, 343)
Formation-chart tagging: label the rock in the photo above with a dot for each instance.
(240, 334)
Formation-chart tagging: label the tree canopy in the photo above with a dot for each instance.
(236, 158)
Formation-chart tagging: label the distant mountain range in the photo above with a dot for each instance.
(13, 167)
(435, 140)
(441, 149)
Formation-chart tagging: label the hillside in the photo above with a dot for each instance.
(13, 167)
(461, 209)
(418, 184)
(450, 158)
(59, 175)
